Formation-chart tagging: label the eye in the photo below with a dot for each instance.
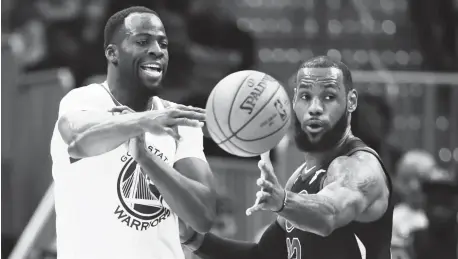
(329, 97)
(142, 42)
(164, 44)
(305, 97)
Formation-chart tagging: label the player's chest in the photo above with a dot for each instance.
(308, 180)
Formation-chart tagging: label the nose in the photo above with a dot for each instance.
(316, 107)
(155, 50)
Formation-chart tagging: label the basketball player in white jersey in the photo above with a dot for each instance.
(126, 170)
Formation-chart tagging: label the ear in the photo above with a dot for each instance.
(111, 53)
(352, 100)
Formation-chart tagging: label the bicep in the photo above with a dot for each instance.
(195, 169)
(357, 187)
(190, 159)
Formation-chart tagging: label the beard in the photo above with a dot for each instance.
(328, 140)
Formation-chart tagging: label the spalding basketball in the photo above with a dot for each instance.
(248, 113)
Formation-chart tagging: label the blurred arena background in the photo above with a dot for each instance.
(403, 55)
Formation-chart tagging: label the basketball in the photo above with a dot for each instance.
(248, 113)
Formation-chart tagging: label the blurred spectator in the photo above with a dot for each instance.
(436, 28)
(28, 35)
(440, 238)
(413, 169)
(372, 123)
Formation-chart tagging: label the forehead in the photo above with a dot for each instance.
(137, 23)
(310, 75)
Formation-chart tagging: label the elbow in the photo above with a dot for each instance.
(206, 221)
(203, 226)
(75, 149)
(326, 227)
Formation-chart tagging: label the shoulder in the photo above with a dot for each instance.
(84, 93)
(358, 161)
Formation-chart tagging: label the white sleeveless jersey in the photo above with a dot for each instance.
(105, 206)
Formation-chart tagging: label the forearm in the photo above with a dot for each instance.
(271, 245)
(191, 200)
(214, 247)
(103, 134)
(311, 212)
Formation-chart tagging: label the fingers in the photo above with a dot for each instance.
(173, 133)
(261, 196)
(189, 108)
(264, 184)
(157, 103)
(261, 165)
(255, 208)
(267, 172)
(188, 114)
(259, 204)
(187, 122)
(266, 157)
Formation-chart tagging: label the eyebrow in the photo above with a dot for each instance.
(162, 35)
(326, 84)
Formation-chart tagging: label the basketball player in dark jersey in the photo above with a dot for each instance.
(337, 205)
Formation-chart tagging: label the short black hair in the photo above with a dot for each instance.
(327, 62)
(117, 19)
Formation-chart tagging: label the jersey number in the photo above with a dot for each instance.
(294, 248)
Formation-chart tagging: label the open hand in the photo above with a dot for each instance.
(165, 118)
(271, 195)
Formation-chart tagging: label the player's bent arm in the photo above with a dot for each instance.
(187, 189)
(91, 133)
(355, 189)
(209, 246)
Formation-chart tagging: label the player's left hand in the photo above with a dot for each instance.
(137, 147)
(271, 195)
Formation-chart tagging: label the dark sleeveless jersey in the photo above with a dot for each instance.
(354, 241)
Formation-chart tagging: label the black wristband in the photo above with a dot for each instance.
(284, 203)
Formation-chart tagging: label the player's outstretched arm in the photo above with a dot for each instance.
(209, 246)
(355, 189)
(91, 133)
(94, 132)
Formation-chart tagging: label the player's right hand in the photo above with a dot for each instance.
(165, 118)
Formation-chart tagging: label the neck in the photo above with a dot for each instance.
(318, 158)
(126, 93)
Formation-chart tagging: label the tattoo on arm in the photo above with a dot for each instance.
(355, 174)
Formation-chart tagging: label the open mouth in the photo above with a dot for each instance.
(152, 70)
(314, 127)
